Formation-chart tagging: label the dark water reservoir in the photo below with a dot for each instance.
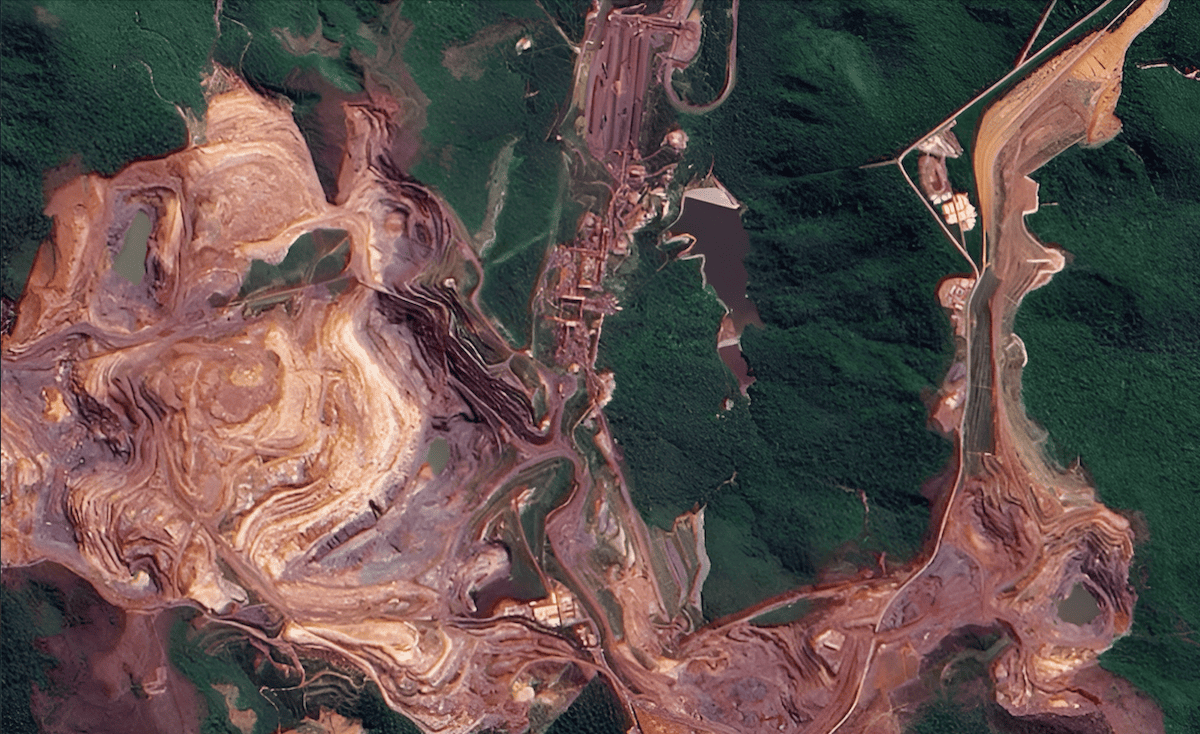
(724, 244)
(1078, 608)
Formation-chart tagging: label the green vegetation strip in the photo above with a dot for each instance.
(1114, 358)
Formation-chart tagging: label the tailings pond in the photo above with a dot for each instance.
(724, 244)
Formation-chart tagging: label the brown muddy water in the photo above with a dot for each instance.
(724, 245)
(1078, 608)
(131, 262)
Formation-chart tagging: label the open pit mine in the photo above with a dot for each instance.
(299, 422)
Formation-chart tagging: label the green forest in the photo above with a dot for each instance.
(842, 268)
(1114, 360)
(496, 118)
(97, 85)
